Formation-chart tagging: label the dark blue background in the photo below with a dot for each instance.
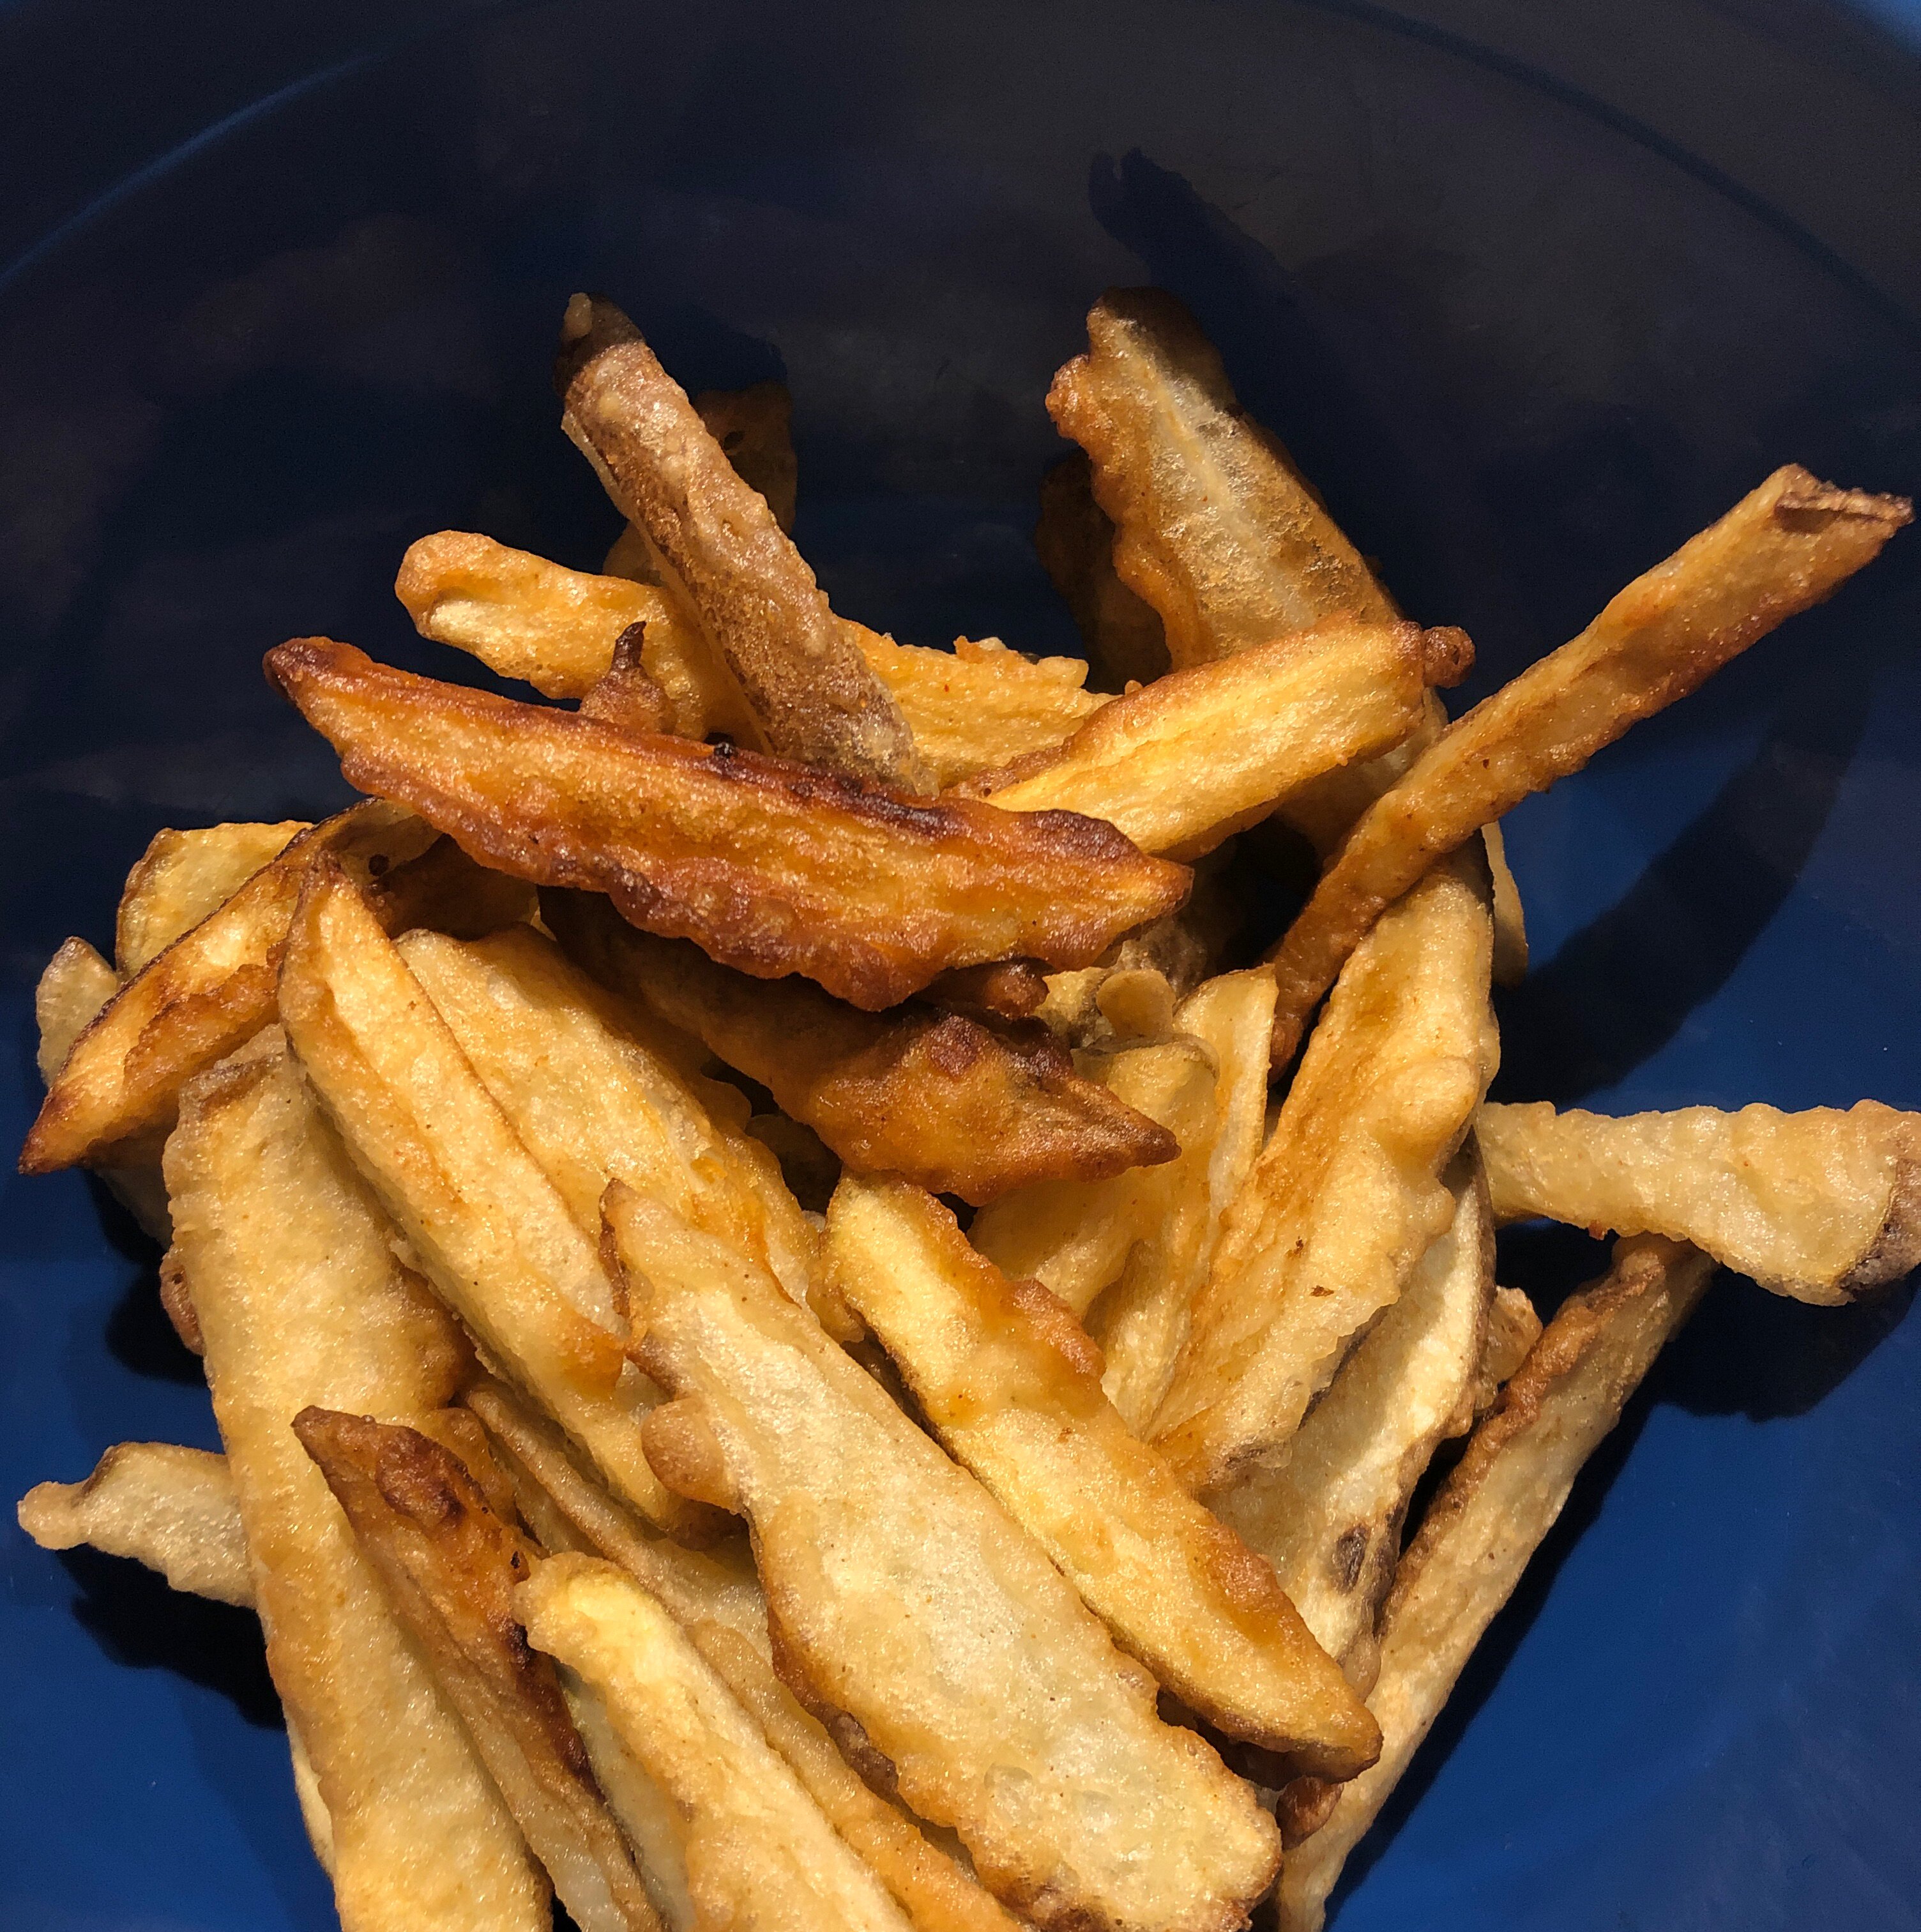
(1531, 298)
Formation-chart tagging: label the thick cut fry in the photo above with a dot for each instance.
(1820, 1206)
(184, 876)
(171, 1508)
(75, 983)
(212, 989)
(1012, 1386)
(960, 1107)
(770, 867)
(804, 679)
(592, 1087)
(450, 1568)
(754, 428)
(1187, 760)
(754, 1849)
(900, 1594)
(1329, 1518)
(1075, 542)
(1346, 1194)
(1489, 1518)
(1789, 544)
(492, 1232)
(299, 1299)
(1213, 526)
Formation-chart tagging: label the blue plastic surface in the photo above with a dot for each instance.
(278, 292)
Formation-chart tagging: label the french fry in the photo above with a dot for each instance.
(753, 1847)
(1346, 1194)
(954, 1104)
(450, 1568)
(1075, 542)
(493, 1234)
(804, 679)
(900, 1594)
(592, 1089)
(772, 867)
(1329, 1518)
(1186, 762)
(184, 876)
(171, 1508)
(299, 1299)
(1012, 1386)
(75, 984)
(212, 990)
(1489, 1516)
(1820, 1206)
(1788, 545)
(1513, 1329)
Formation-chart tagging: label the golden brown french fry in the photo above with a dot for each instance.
(182, 877)
(75, 983)
(1187, 760)
(1499, 1502)
(212, 990)
(1786, 545)
(1820, 1206)
(492, 1233)
(1329, 1518)
(772, 867)
(450, 1568)
(1346, 1194)
(956, 1106)
(1012, 1386)
(171, 1508)
(754, 1849)
(803, 678)
(1075, 542)
(901, 1595)
(299, 1299)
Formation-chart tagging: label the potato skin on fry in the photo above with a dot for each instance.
(771, 867)
(1786, 545)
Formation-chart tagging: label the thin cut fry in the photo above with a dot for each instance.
(450, 1567)
(1329, 1518)
(1346, 1195)
(900, 1594)
(182, 877)
(1075, 542)
(1787, 545)
(171, 1508)
(299, 1299)
(1012, 1386)
(959, 1107)
(804, 679)
(1187, 760)
(771, 867)
(492, 1232)
(1500, 1500)
(754, 1849)
(1820, 1206)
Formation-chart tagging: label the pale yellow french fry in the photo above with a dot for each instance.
(182, 877)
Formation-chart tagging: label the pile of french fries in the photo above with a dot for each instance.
(782, 1361)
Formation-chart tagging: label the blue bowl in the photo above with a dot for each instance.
(1531, 298)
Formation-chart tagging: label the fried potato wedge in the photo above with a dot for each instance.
(300, 1300)
(957, 1106)
(450, 1568)
(1213, 528)
(170, 1508)
(184, 876)
(1187, 760)
(804, 679)
(1788, 545)
(1075, 540)
(1329, 1518)
(593, 1088)
(493, 1234)
(1346, 1195)
(212, 990)
(1489, 1516)
(769, 867)
(74, 985)
(1012, 1386)
(1820, 1206)
(754, 1848)
(900, 1594)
